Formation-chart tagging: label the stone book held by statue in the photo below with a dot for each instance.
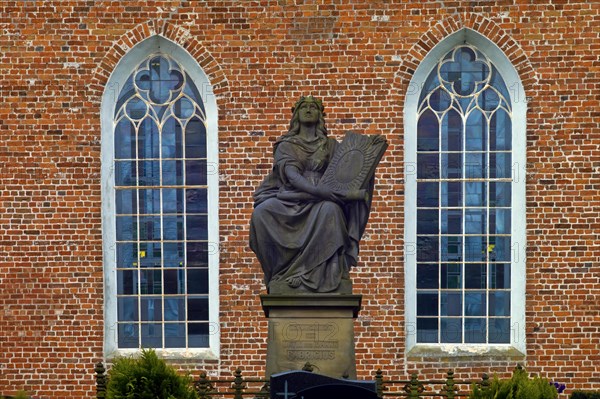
(353, 165)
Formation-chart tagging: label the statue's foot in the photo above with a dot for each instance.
(294, 282)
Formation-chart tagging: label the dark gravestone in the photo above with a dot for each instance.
(306, 385)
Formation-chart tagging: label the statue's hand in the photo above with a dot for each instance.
(357, 195)
(326, 193)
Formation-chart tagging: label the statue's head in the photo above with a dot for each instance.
(295, 122)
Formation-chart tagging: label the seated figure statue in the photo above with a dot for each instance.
(304, 235)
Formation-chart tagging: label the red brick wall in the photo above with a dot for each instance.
(359, 56)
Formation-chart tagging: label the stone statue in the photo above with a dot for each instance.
(305, 234)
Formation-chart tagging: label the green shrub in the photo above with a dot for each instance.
(147, 377)
(18, 395)
(585, 395)
(519, 386)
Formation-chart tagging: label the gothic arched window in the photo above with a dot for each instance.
(159, 287)
(465, 254)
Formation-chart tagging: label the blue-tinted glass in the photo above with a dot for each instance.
(464, 71)
(500, 131)
(451, 165)
(149, 227)
(172, 173)
(427, 304)
(151, 308)
(451, 275)
(475, 276)
(500, 165)
(427, 249)
(150, 254)
(175, 309)
(195, 200)
(149, 201)
(127, 309)
(197, 227)
(149, 173)
(184, 108)
(427, 221)
(475, 166)
(451, 332)
(428, 132)
(499, 275)
(475, 194)
(128, 336)
(161, 80)
(174, 281)
(197, 281)
(451, 221)
(148, 139)
(451, 304)
(192, 92)
(127, 254)
(126, 93)
(498, 83)
(451, 194)
(428, 194)
(476, 132)
(428, 166)
(136, 108)
(499, 331)
(173, 228)
(197, 254)
(126, 228)
(174, 335)
(195, 139)
(195, 172)
(427, 275)
(500, 194)
(452, 128)
(475, 220)
(475, 331)
(127, 282)
(197, 308)
(172, 143)
(475, 304)
(151, 335)
(125, 173)
(150, 282)
(499, 221)
(126, 202)
(172, 200)
(499, 303)
(427, 330)
(451, 248)
(499, 248)
(440, 100)
(124, 140)
(173, 254)
(431, 83)
(475, 248)
(198, 334)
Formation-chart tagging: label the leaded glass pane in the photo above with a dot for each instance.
(160, 174)
(464, 192)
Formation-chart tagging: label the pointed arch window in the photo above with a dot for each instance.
(159, 228)
(466, 205)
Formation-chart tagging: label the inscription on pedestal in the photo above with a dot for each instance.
(325, 344)
(310, 341)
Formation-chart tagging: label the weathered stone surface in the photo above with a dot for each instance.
(311, 328)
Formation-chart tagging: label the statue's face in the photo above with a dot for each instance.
(308, 112)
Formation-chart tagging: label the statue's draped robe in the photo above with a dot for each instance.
(296, 235)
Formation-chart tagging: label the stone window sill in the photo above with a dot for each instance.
(461, 352)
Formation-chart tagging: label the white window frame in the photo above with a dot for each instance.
(517, 345)
(116, 81)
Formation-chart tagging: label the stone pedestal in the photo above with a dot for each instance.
(313, 328)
